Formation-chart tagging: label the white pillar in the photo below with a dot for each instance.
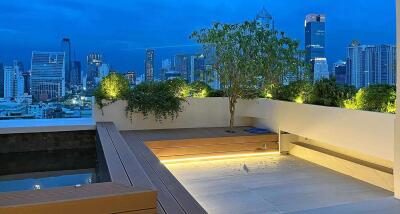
(396, 165)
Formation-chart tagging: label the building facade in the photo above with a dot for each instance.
(13, 82)
(94, 60)
(371, 64)
(149, 65)
(265, 20)
(66, 48)
(1, 80)
(76, 74)
(182, 65)
(340, 72)
(197, 68)
(315, 43)
(47, 75)
(131, 76)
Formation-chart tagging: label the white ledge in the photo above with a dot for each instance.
(46, 125)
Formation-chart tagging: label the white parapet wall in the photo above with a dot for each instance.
(197, 113)
(365, 135)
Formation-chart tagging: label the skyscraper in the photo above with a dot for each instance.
(94, 60)
(131, 76)
(1, 80)
(27, 81)
(66, 48)
(371, 64)
(166, 66)
(315, 36)
(149, 65)
(320, 68)
(76, 74)
(197, 68)
(13, 82)
(48, 75)
(182, 65)
(265, 20)
(315, 43)
(340, 72)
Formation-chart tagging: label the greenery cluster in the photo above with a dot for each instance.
(113, 87)
(379, 98)
(155, 98)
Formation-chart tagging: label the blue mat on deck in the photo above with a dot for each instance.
(257, 131)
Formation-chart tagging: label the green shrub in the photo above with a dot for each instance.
(159, 99)
(111, 88)
(199, 89)
(298, 91)
(379, 98)
(325, 92)
(179, 87)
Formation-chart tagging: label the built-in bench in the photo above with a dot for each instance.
(138, 166)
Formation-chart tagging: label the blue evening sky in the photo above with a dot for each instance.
(123, 29)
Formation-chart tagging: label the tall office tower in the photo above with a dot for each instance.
(66, 48)
(265, 20)
(47, 75)
(27, 81)
(371, 64)
(94, 60)
(149, 65)
(131, 76)
(315, 40)
(340, 72)
(1, 80)
(13, 82)
(182, 65)
(166, 66)
(19, 64)
(20, 72)
(76, 74)
(197, 68)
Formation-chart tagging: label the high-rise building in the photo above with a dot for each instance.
(315, 41)
(320, 68)
(104, 70)
(182, 65)
(371, 64)
(48, 75)
(1, 80)
(197, 68)
(315, 36)
(265, 20)
(131, 76)
(340, 72)
(66, 48)
(27, 81)
(13, 82)
(149, 65)
(166, 66)
(94, 60)
(76, 74)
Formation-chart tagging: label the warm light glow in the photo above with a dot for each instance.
(299, 99)
(218, 157)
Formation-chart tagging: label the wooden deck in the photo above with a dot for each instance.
(153, 145)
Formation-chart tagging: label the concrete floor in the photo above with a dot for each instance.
(279, 184)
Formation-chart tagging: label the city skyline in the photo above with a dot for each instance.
(124, 43)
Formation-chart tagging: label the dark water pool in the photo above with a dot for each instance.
(47, 169)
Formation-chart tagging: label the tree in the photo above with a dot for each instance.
(248, 56)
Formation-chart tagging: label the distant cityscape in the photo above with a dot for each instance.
(55, 86)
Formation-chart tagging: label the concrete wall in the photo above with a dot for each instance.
(366, 135)
(197, 113)
(397, 127)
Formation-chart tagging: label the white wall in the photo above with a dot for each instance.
(206, 112)
(368, 133)
(397, 127)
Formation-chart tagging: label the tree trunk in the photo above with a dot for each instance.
(232, 106)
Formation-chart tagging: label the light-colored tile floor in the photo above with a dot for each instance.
(278, 184)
